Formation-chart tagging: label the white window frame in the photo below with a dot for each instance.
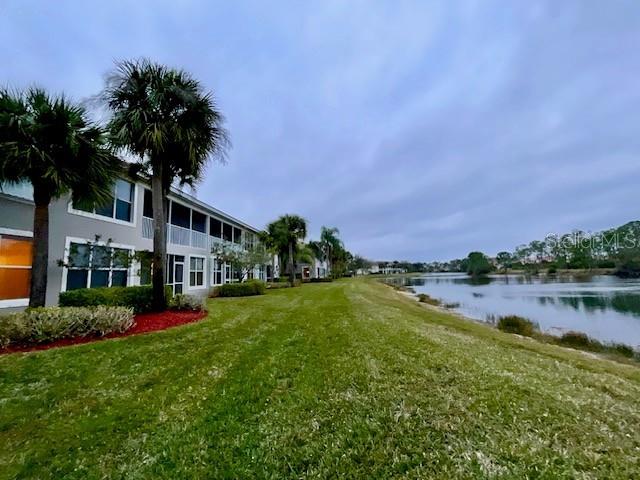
(15, 302)
(204, 273)
(83, 241)
(103, 218)
(213, 262)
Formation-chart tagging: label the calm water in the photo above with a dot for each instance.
(605, 307)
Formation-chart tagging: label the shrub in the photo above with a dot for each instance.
(188, 302)
(278, 285)
(46, 324)
(424, 298)
(580, 340)
(321, 280)
(138, 298)
(628, 268)
(624, 350)
(516, 324)
(245, 289)
(606, 263)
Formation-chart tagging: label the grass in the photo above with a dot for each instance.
(344, 379)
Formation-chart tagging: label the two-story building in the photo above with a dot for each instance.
(83, 243)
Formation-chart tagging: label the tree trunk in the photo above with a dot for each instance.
(159, 239)
(292, 268)
(40, 252)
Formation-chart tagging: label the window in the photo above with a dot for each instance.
(180, 215)
(21, 190)
(124, 200)
(237, 235)
(250, 241)
(175, 270)
(215, 227)
(93, 266)
(196, 271)
(118, 207)
(216, 271)
(147, 205)
(236, 274)
(198, 221)
(15, 267)
(227, 232)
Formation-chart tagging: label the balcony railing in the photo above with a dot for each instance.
(147, 227)
(183, 236)
(198, 239)
(179, 235)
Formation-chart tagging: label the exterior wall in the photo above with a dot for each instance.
(320, 269)
(66, 225)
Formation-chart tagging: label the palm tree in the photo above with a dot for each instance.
(269, 241)
(286, 232)
(318, 250)
(164, 118)
(49, 142)
(330, 243)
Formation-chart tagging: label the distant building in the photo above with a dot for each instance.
(317, 269)
(392, 270)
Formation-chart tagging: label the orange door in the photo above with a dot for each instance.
(15, 266)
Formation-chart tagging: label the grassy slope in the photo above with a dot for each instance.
(334, 379)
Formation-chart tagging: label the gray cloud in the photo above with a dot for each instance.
(421, 131)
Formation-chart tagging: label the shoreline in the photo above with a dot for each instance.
(541, 337)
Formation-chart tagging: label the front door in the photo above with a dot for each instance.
(175, 273)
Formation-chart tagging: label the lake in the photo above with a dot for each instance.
(604, 307)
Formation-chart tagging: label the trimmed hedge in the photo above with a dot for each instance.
(244, 289)
(138, 298)
(321, 280)
(46, 324)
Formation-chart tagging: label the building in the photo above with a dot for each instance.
(317, 269)
(392, 270)
(84, 244)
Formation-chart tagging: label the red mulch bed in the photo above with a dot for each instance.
(145, 323)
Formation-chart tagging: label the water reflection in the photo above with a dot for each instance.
(605, 307)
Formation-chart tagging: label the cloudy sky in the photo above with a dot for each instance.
(422, 130)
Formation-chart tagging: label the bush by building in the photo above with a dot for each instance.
(140, 299)
(188, 302)
(244, 289)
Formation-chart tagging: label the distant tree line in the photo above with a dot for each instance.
(615, 248)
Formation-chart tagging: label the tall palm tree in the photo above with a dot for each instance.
(49, 142)
(331, 243)
(287, 231)
(164, 118)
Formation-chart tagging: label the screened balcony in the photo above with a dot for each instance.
(191, 228)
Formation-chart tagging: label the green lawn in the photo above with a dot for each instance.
(347, 379)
